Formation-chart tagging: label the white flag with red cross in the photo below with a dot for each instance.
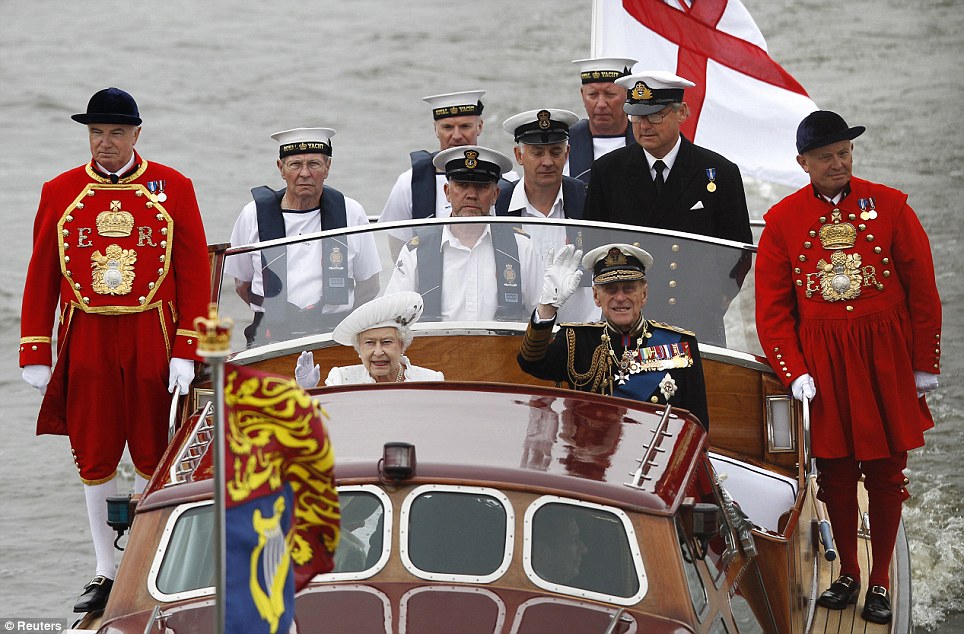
(744, 106)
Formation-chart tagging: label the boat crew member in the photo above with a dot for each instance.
(663, 180)
(849, 315)
(471, 272)
(381, 332)
(626, 354)
(607, 127)
(119, 254)
(418, 191)
(304, 287)
(542, 148)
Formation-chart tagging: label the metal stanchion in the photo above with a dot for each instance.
(214, 345)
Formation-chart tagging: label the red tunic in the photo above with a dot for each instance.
(847, 293)
(125, 268)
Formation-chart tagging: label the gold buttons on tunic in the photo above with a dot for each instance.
(850, 309)
(654, 399)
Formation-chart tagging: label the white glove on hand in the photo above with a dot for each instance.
(925, 382)
(562, 275)
(182, 374)
(37, 376)
(307, 376)
(803, 387)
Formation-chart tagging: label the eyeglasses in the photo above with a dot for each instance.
(313, 166)
(656, 118)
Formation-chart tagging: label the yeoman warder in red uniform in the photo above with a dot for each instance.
(120, 265)
(849, 316)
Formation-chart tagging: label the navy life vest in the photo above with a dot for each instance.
(336, 282)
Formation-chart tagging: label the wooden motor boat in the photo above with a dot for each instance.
(530, 508)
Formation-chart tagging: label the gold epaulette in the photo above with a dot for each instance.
(659, 324)
(412, 244)
(520, 231)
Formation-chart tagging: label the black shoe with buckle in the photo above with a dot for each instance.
(840, 594)
(95, 595)
(877, 606)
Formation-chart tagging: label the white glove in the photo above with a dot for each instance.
(562, 275)
(38, 376)
(803, 387)
(182, 374)
(307, 376)
(925, 382)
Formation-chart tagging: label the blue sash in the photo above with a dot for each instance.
(641, 386)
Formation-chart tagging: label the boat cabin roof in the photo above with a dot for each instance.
(516, 437)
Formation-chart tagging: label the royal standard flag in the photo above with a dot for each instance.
(282, 514)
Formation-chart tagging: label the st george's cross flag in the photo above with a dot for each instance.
(282, 516)
(744, 106)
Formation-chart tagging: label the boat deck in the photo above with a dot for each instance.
(849, 620)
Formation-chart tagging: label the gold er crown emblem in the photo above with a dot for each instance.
(838, 236)
(115, 223)
(214, 333)
(641, 92)
(615, 257)
(544, 119)
(471, 159)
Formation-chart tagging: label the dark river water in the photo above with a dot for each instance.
(213, 80)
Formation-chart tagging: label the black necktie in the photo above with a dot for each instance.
(659, 166)
(114, 178)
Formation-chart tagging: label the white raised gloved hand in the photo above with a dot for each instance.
(182, 374)
(307, 376)
(562, 275)
(37, 376)
(925, 382)
(803, 387)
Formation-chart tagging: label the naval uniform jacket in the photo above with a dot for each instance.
(621, 189)
(103, 250)
(847, 293)
(579, 357)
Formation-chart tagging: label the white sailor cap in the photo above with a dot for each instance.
(603, 69)
(472, 163)
(651, 91)
(304, 141)
(617, 263)
(398, 310)
(539, 127)
(455, 104)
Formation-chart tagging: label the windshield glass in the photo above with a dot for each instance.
(474, 272)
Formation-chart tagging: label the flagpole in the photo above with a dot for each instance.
(214, 345)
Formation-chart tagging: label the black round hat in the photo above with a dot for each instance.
(110, 105)
(823, 127)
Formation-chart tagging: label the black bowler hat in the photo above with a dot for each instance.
(823, 127)
(110, 105)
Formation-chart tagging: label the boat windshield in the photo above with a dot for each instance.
(474, 272)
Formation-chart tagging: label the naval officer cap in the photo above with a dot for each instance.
(472, 164)
(455, 104)
(304, 141)
(823, 127)
(398, 310)
(539, 127)
(617, 263)
(651, 91)
(603, 69)
(110, 105)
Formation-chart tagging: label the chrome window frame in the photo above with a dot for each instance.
(403, 603)
(520, 611)
(572, 590)
(158, 559)
(388, 512)
(403, 532)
